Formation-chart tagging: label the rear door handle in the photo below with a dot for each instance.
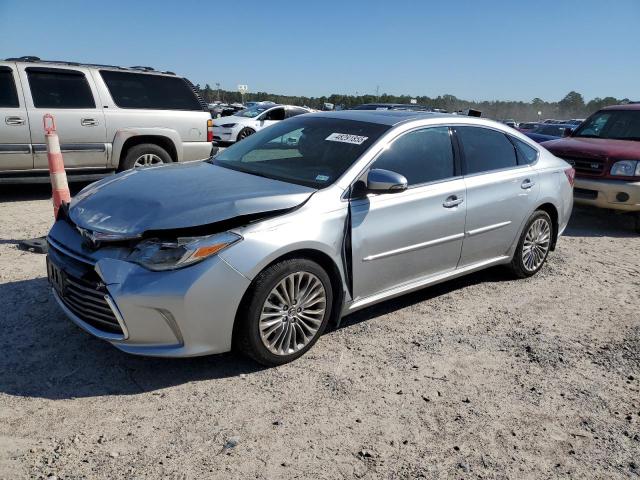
(527, 184)
(452, 201)
(89, 122)
(14, 120)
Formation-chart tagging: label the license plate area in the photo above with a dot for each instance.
(57, 277)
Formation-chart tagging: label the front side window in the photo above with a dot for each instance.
(8, 92)
(294, 111)
(613, 124)
(308, 151)
(59, 88)
(149, 92)
(275, 114)
(422, 156)
(485, 149)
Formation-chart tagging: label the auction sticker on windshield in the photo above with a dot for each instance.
(346, 138)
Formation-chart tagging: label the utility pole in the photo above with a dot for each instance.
(218, 86)
(377, 93)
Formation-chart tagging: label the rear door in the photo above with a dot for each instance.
(15, 138)
(401, 237)
(502, 189)
(71, 97)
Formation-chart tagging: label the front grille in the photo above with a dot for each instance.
(81, 290)
(587, 166)
(86, 299)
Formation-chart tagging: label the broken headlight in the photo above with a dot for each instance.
(157, 255)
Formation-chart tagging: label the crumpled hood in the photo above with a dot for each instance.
(178, 196)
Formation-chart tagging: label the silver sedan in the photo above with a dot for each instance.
(261, 247)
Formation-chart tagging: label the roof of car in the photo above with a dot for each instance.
(628, 106)
(37, 62)
(384, 117)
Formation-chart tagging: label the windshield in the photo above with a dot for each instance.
(612, 124)
(252, 112)
(313, 152)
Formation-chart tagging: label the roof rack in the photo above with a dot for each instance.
(34, 59)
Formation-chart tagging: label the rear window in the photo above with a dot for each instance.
(154, 92)
(8, 93)
(59, 88)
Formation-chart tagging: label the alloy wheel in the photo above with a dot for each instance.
(147, 159)
(536, 244)
(292, 313)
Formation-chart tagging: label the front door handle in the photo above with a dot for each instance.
(14, 120)
(452, 201)
(89, 122)
(526, 184)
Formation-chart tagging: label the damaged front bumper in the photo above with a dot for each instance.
(175, 313)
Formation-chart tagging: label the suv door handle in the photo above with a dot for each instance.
(452, 201)
(88, 122)
(14, 120)
(527, 184)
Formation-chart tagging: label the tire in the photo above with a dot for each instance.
(636, 224)
(264, 320)
(244, 133)
(155, 155)
(523, 266)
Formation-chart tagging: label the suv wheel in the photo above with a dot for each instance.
(534, 245)
(144, 155)
(244, 133)
(288, 309)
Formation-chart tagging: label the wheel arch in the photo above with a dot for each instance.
(165, 138)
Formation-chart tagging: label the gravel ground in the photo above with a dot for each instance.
(482, 377)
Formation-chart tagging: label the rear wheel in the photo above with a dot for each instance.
(145, 155)
(287, 310)
(534, 245)
(244, 133)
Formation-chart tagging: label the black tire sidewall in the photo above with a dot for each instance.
(136, 151)
(248, 335)
(517, 264)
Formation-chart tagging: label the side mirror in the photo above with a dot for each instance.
(567, 132)
(385, 181)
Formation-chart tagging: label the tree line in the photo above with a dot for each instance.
(573, 105)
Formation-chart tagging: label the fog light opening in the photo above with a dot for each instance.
(622, 197)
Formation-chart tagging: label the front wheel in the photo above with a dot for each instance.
(244, 133)
(534, 245)
(287, 310)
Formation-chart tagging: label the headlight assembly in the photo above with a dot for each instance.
(625, 168)
(158, 255)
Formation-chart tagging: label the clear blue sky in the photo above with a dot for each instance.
(483, 50)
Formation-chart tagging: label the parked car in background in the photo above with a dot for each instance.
(271, 240)
(605, 151)
(391, 106)
(108, 118)
(525, 127)
(575, 121)
(255, 104)
(549, 131)
(225, 110)
(510, 122)
(249, 121)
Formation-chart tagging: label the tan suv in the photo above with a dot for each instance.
(108, 118)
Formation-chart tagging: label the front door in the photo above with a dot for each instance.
(15, 139)
(71, 97)
(501, 191)
(402, 237)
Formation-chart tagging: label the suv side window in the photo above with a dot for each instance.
(526, 153)
(485, 149)
(153, 92)
(275, 114)
(8, 92)
(422, 156)
(293, 111)
(59, 88)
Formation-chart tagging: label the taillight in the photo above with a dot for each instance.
(571, 175)
(209, 130)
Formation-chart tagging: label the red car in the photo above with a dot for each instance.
(605, 152)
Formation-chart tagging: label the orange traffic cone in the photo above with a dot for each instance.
(59, 184)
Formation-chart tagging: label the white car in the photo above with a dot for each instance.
(249, 121)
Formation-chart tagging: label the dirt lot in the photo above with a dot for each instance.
(483, 377)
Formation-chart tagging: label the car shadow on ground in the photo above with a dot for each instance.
(597, 222)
